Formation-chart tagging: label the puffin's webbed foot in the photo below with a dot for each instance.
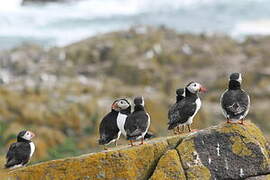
(229, 121)
(242, 122)
(142, 142)
(131, 143)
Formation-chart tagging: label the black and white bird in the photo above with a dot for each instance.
(123, 114)
(184, 111)
(125, 110)
(180, 94)
(138, 122)
(20, 152)
(108, 129)
(235, 102)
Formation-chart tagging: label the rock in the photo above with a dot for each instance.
(169, 167)
(226, 151)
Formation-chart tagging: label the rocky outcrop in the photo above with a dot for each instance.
(226, 151)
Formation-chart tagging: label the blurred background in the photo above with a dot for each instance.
(63, 62)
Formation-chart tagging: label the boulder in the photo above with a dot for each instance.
(225, 151)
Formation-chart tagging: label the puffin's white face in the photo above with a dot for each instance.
(236, 77)
(122, 104)
(239, 78)
(195, 87)
(28, 135)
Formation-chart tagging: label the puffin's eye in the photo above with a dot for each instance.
(195, 85)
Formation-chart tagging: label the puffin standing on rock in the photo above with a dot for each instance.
(137, 123)
(180, 94)
(184, 111)
(235, 102)
(108, 129)
(20, 153)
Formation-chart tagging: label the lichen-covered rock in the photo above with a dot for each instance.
(169, 167)
(125, 163)
(227, 151)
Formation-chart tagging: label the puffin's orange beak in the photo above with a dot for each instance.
(32, 134)
(115, 106)
(202, 89)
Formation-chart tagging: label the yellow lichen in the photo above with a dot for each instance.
(193, 167)
(169, 167)
(125, 163)
(239, 147)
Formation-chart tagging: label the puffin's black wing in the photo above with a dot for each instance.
(235, 104)
(18, 153)
(108, 129)
(136, 124)
(181, 112)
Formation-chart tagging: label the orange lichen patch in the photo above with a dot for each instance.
(169, 167)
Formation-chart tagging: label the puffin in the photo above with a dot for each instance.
(123, 114)
(20, 152)
(108, 130)
(235, 102)
(138, 122)
(125, 110)
(180, 94)
(184, 111)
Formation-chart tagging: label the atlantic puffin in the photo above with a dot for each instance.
(123, 114)
(184, 111)
(235, 102)
(108, 130)
(20, 152)
(180, 94)
(138, 122)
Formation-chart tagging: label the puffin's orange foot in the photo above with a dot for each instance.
(229, 121)
(242, 122)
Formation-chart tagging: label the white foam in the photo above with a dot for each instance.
(255, 27)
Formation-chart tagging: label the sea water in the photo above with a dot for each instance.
(59, 24)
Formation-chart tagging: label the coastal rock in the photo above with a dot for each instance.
(226, 151)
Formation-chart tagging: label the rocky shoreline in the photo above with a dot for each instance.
(63, 92)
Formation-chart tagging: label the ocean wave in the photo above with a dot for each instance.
(63, 23)
(254, 27)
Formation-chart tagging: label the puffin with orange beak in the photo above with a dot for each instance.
(184, 111)
(108, 130)
(20, 152)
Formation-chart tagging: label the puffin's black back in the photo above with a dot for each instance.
(138, 121)
(235, 103)
(18, 153)
(108, 129)
(180, 112)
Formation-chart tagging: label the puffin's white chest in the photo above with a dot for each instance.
(198, 106)
(32, 148)
(121, 119)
